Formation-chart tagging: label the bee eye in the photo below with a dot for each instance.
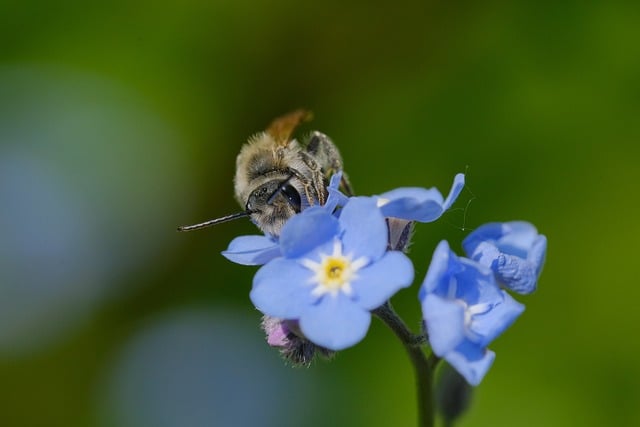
(292, 196)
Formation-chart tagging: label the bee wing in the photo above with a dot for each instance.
(282, 127)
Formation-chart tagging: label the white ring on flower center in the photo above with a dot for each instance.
(335, 272)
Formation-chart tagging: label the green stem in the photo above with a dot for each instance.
(422, 366)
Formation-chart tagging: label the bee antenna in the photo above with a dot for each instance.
(280, 187)
(216, 221)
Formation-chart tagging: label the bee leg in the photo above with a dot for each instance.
(326, 154)
(317, 195)
(314, 187)
(319, 187)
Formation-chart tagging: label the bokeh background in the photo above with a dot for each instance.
(121, 120)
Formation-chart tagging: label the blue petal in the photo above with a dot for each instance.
(483, 252)
(476, 283)
(252, 250)
(517, 238)
(472, 369)
(365, 230)
(494, 322)
(377, 282)
(513, 238)
(282, 289)
(420, 204)
(487, 233)
(413, 203)
(515, 273)
(444, 320)
(334, 181)
(514, 251)
(307, 230)
(444, 264)
(335, 198)
(456, 188)
(335, 322)
(538, 253)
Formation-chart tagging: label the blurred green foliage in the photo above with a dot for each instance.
(538, 102)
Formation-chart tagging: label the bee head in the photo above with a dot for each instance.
(269, 206)
(273, 203)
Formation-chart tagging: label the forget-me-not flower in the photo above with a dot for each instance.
(513, 250)
(333, 272)
(464, 310)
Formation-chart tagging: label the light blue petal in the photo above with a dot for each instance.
(444, 264)
(488, 234)
(538, 253)
(517, 238)
(365, 230)
(515, 273)
(475, 283)
(473, 370)
(513, 238)
(456, 188)
(252, 250)
(335, 322)
(471, 350)
(319, 252)
(307, 230)
(282, 289)
(488, 326)
(418, 194)
(335, 198)
(377, 282)
(444, 320)
(413, 203)
(334, 181)
(420, 204)
(514, 251)
(483, 252)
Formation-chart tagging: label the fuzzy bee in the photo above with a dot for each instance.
(277, 176)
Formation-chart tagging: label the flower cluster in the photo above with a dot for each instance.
(333, 265)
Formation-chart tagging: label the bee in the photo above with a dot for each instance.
(277, 176)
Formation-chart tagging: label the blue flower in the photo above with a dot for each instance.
(419, 204)
(464, 310)
(333, 272)
(513, 250)
(259, 250)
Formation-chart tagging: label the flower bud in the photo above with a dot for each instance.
(293, 346)
(453, 394)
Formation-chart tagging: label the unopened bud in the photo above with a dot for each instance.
(293, 346)
(453, 394)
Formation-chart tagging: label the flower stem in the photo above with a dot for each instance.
(422, 366)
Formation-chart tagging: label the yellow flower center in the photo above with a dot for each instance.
(335, 272)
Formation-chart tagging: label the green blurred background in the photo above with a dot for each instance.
(121, 120)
